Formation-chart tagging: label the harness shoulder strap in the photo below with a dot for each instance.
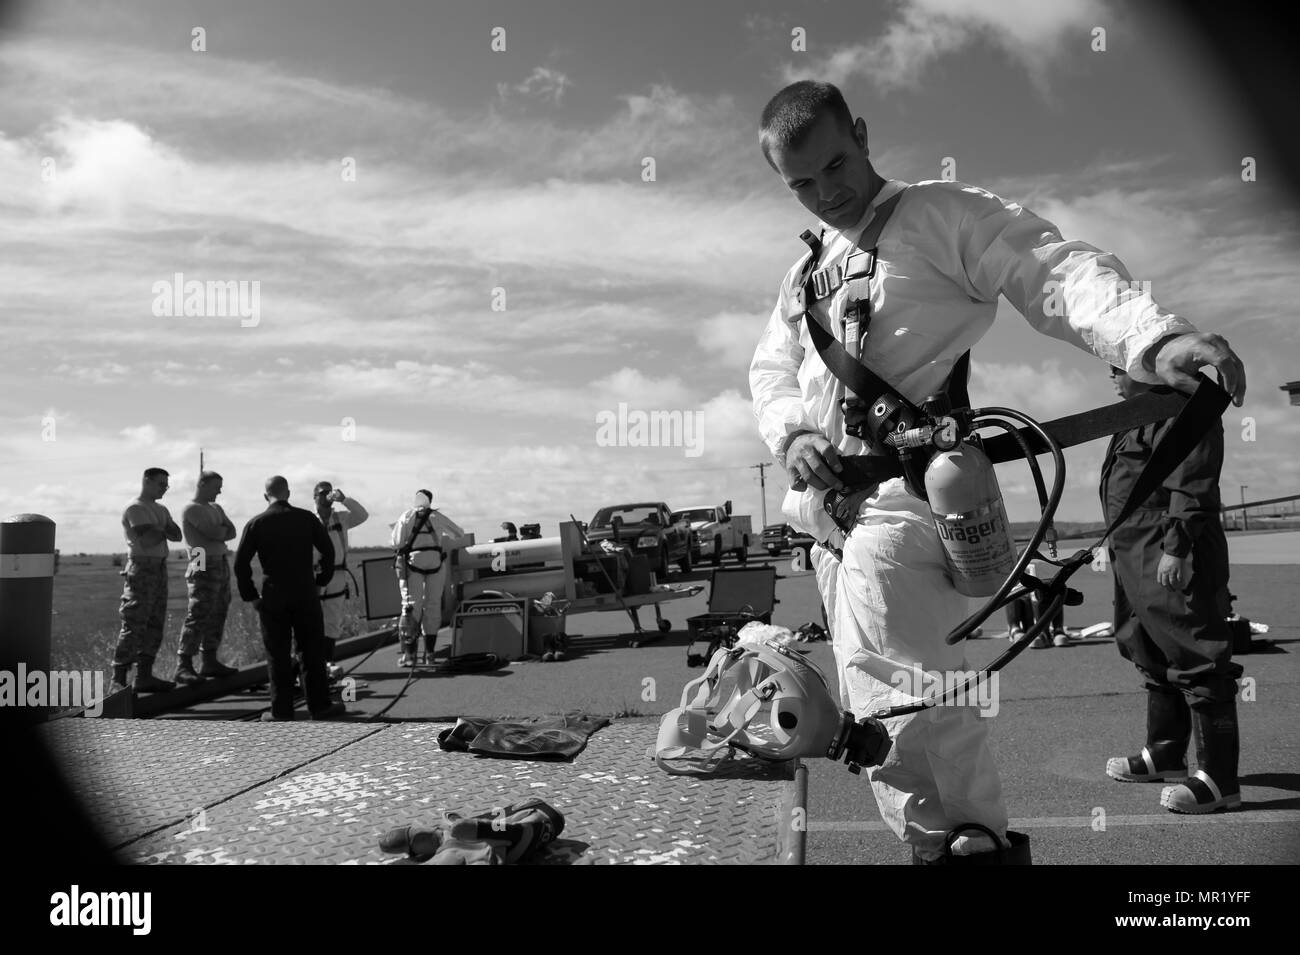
(856, 377)
(417, 528)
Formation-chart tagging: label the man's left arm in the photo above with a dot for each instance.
(356, 514)
(227, 524)
(1078, 293)
(172, 531)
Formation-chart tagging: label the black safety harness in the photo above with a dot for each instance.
(903, 437)
(407, 549)
(335, 523)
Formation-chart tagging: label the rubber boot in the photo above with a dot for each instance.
(1016, 854)
(1169, 727)
(146, 682)
(185, 675)
(212, 667)
(1214, 787)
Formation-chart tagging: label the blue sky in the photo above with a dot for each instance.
(126, 157)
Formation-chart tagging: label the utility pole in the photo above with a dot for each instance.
(200, 460)
(762, 483)
(1245, 521)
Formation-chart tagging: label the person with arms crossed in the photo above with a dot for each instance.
(148, 527)
(206, 528)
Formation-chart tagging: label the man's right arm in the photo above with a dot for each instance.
(244, 562)
(783, 420)
(200, 526)
(144, 528)
(774, 379)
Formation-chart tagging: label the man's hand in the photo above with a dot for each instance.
(257, 603)
(1174, 573)
(812, 461)
(1177, 359)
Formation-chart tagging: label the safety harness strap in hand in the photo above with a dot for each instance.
(1193, 422)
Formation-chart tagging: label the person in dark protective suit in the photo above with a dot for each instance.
(286, 541)
(1170, 563)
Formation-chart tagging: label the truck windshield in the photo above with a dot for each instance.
(694, 514)
(630, 515)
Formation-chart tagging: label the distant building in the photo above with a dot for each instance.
(1293, 389)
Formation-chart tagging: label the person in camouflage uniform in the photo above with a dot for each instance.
(148, 527)
(206, 528)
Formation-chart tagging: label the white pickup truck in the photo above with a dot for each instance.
(715, 531)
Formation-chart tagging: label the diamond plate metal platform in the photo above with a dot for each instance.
(304, 793)
(134, 777)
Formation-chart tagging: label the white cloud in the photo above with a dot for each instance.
(1028, 31)
(731, 333)
(542, 83)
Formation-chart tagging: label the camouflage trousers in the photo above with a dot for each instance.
(205, 619)
(143, 610)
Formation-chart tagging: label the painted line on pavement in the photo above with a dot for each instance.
(1087, 822)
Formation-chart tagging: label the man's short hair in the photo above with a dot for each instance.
(207, 476)
(791, 114)
(153, 474)
(325, 486)
(428, 495)
(277, 486)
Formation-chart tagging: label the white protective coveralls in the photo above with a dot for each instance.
(945, 255)
(344, 515)
(425, 581)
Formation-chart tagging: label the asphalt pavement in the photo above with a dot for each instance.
(1061, 713)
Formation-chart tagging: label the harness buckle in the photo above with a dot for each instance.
(855, 268)
(827, 280)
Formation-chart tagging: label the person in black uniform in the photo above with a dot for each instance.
(1170, 564)
(282, 537)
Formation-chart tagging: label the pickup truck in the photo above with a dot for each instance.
(715, 531)
(783, 537)
(648, 528)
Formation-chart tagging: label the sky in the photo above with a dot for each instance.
(463, 265)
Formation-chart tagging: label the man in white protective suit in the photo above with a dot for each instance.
(340, 514)
(424, 539)
(946, 252)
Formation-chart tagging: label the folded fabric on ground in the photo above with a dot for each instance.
(538, 737)
(502, 836)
